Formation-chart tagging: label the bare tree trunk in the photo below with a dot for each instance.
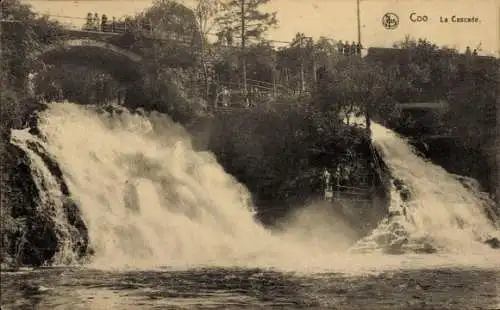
(274, 84)
(243, 43)
(302, 77)
(204, 66)
(315, 76)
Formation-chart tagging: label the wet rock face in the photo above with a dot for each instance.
(29, 237)
(470, 184)
(403, 190)
(23, 232)
(491, 207)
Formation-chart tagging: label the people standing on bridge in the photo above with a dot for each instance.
(113, 24)
(96, 22)
(89, 23)
(467, 51)
(104, 21)
(340, 47)
(358, 48)
(346, 48)
(353, 48)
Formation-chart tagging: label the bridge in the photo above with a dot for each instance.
(119, 52)
(118, 48)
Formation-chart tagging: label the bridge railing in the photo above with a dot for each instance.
(344, 194)
(114, 26)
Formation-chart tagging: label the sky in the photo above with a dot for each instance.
(336, 19)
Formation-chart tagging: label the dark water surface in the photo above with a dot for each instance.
(74, 288)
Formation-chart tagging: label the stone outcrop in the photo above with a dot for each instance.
(30, 233)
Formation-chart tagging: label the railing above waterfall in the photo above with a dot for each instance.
(343, 193)
(346, 193)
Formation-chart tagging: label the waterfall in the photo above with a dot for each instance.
(430, 209)
(132, 185)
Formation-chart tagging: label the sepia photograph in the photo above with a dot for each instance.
(249, 154)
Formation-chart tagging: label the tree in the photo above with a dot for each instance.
(174, 29)
(303, 49)
(170, 20)
(325, 52)
(18, 42)
(300, 63)
(473, 100)
(373, 89)
(20, 39)
(293, 60)
(245, 17)
(357, 86)
(206, 12)
(80, 84)
(175, 44)
(261, 67)
(427, 68)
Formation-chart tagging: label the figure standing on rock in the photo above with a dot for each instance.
(327, 176)
(328, 184)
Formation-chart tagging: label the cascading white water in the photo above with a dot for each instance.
(440, 213)
(148, 199)
(146, 196)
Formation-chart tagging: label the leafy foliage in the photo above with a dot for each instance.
(256, 22)
(206, 12)
(170, 20)
(77, 84)
(18, 40)
(271, 151)
(24, 35)
(425, 73)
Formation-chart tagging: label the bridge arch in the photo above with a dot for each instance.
(122, 64)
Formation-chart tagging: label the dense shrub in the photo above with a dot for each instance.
(280, 153)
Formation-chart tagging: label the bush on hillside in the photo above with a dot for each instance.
(165, 91)
(280, 154)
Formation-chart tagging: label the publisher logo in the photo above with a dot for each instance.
(390, 21)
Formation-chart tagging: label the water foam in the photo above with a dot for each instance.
(150, 200)
(146, 196)
(430, 209)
